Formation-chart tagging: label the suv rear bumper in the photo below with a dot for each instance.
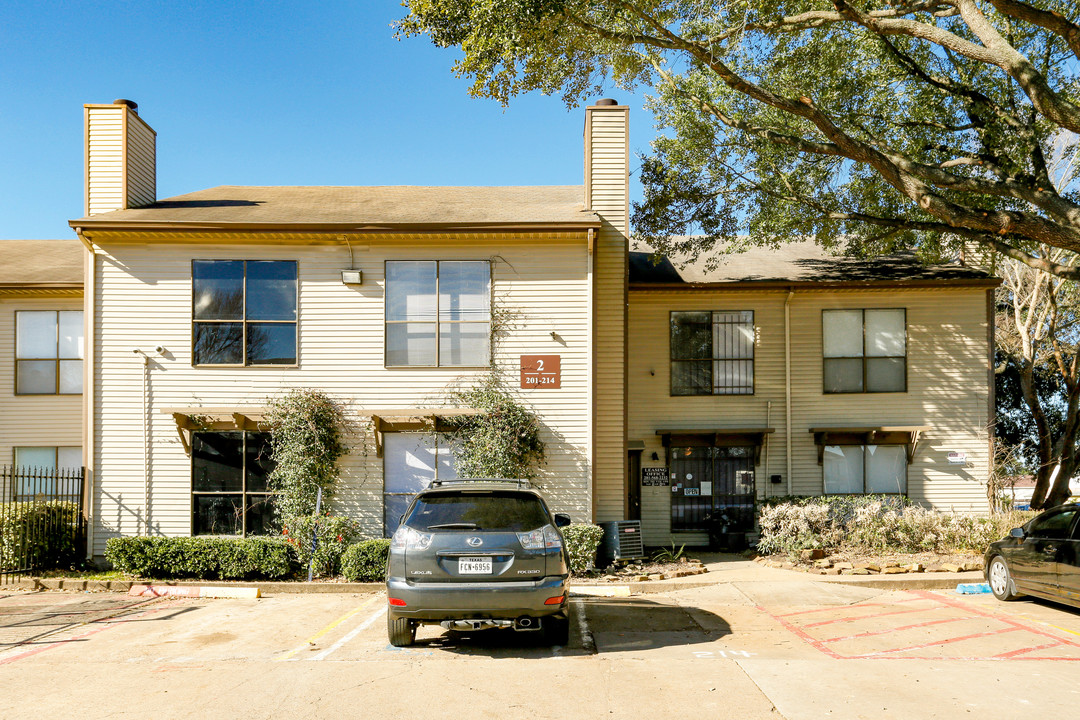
(475, 601)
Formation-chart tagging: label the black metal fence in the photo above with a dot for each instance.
(42, 526)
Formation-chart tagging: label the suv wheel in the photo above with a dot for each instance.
(557, 630)
(401, 631)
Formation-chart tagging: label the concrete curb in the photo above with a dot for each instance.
(904, 581)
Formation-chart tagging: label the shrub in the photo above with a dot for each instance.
(582, 539)
(875, 524)
(38, 535)
(336, 532)
(365, 561)
(200, 557)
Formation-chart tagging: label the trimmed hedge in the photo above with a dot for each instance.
(200, 557)
(582, 540)
(366, 561)
(38, 535)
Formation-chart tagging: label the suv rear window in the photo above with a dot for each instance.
(497, 511)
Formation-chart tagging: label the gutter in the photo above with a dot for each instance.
(334, 228)
(787, 384)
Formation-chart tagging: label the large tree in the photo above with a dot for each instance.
(905, 124)
(1038, 337)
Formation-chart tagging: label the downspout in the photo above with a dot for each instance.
(88, 429)
(768, 424)
(146, 439)
(787, 384)
(590, 363)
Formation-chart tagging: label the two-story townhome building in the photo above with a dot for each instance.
(41, 360)
(665, 394)
(202, 306)
(790, 371)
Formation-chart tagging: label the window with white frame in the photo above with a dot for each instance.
(35, 465)
(858, 469)
(438, 313)
(865, 351)
(712, 353)
(243, 312)
(411, 461)
(48, 352)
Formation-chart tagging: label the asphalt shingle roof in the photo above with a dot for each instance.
(41, 262)
(360, 206)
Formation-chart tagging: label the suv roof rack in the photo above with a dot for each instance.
(520, 483)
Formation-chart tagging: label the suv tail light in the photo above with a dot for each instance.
(407, 538)
(541, 538)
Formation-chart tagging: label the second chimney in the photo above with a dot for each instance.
(121, 158)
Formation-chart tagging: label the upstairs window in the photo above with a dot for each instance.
(243, 312)
(48, 352)
(865, 351)
(438, 313)
(712, 353)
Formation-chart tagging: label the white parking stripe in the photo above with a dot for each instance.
(368, 622)
(587, 642)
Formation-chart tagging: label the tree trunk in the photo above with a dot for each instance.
(1045, 446)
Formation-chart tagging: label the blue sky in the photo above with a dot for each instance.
(260, 93)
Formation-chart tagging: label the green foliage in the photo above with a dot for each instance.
(366, 561)
(669, 555)
(875, 524)
(777, 119)
(582, 540)
(336, 532)
(200, 557)
(501, 442)
(38, 535)
(306, 429)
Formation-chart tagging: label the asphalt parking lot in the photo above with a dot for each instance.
(769, 649)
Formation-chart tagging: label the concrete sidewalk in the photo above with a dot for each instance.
(723, 568)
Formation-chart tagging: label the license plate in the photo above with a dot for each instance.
(474, 566)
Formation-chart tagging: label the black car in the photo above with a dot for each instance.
(478, 554)
(1042, 558)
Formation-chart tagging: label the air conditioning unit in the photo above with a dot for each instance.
(622, 541)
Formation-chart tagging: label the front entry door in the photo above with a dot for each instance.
(708, 482)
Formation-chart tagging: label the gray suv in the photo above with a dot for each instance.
(477, 554)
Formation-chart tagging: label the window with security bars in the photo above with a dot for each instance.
(865, 351)
(712, 353)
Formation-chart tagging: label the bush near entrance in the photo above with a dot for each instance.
(875, 524)
(582, 540)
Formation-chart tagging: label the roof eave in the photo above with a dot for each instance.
(817, 284)
(89, 224)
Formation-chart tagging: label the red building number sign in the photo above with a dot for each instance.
(540, 372)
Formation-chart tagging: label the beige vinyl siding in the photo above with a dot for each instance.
(104, 159)
(607, 185)
(540, 287)
(947, 390)
(141, 163)
(33, 420)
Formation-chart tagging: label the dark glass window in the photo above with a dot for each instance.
(864, 350)
(1054, 526)
(712, 353)
(228, 483)
(243, 312)
(438, 313)
(498, 511)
